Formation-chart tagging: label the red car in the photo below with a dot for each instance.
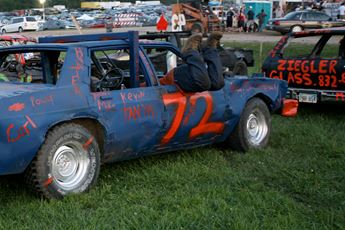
(7, 40)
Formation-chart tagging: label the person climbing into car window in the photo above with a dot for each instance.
(202, 69)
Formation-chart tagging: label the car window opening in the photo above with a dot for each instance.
(110, 70)
(28, 67)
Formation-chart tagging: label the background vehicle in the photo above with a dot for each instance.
(314, 75)
(55, 25)
(8, 40)
(200, 19)
(20, 24)
(300, 20)
(235, 60)
(109, 117)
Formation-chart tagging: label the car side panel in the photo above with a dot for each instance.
(29, 113)
(25, 120)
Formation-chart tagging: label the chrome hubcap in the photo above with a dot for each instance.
(256, 128)
(297, 29)
(70, 165)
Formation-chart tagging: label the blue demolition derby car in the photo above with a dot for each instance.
(70, 103)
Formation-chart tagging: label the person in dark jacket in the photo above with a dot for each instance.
(229, 18)
(250, 18)
(202, 70)
(261, 17)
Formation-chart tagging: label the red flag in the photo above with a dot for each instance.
(162, 23)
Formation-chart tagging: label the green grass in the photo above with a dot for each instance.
(298, 182)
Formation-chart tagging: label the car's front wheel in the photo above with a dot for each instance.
(3, 31)
(20, 29)
(254, 127)
(67, 162)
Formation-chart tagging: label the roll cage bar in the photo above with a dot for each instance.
(132, 37)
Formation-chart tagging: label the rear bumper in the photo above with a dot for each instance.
(323, 96)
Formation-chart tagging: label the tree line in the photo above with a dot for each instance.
(9, 5)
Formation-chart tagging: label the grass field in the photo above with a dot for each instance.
(298, 182)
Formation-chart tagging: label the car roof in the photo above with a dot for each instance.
(307, 11)
(318, 32)
(88, 44)
(16, 37)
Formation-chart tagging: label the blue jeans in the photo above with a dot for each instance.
(261, 26)
(201, 71)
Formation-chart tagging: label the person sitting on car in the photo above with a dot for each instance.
(202, 69)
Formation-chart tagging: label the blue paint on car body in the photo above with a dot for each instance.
(135, 121)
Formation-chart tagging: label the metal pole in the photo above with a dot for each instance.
(44, 15)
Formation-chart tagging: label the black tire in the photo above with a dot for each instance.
(20, 29)
(255, 113)
(3, 31)
(240, 68)
(197, 28)
(67, 162)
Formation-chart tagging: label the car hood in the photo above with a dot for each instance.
(15, 89)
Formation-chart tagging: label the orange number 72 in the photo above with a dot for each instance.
(202, 127)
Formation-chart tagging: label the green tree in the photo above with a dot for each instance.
(9, 5)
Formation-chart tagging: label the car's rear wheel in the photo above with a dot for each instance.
(20, 29)
(67, 162)
(3, 31)
(253, 129)
(296, 29)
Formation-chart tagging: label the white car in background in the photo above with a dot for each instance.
(19, 24)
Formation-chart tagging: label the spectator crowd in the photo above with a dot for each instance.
(244, 20)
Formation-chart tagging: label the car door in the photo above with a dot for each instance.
(19, 23)
(11, 27)
(330, 64)
(309, 21)
(325, 21)
(192, 118)
(134, 116)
